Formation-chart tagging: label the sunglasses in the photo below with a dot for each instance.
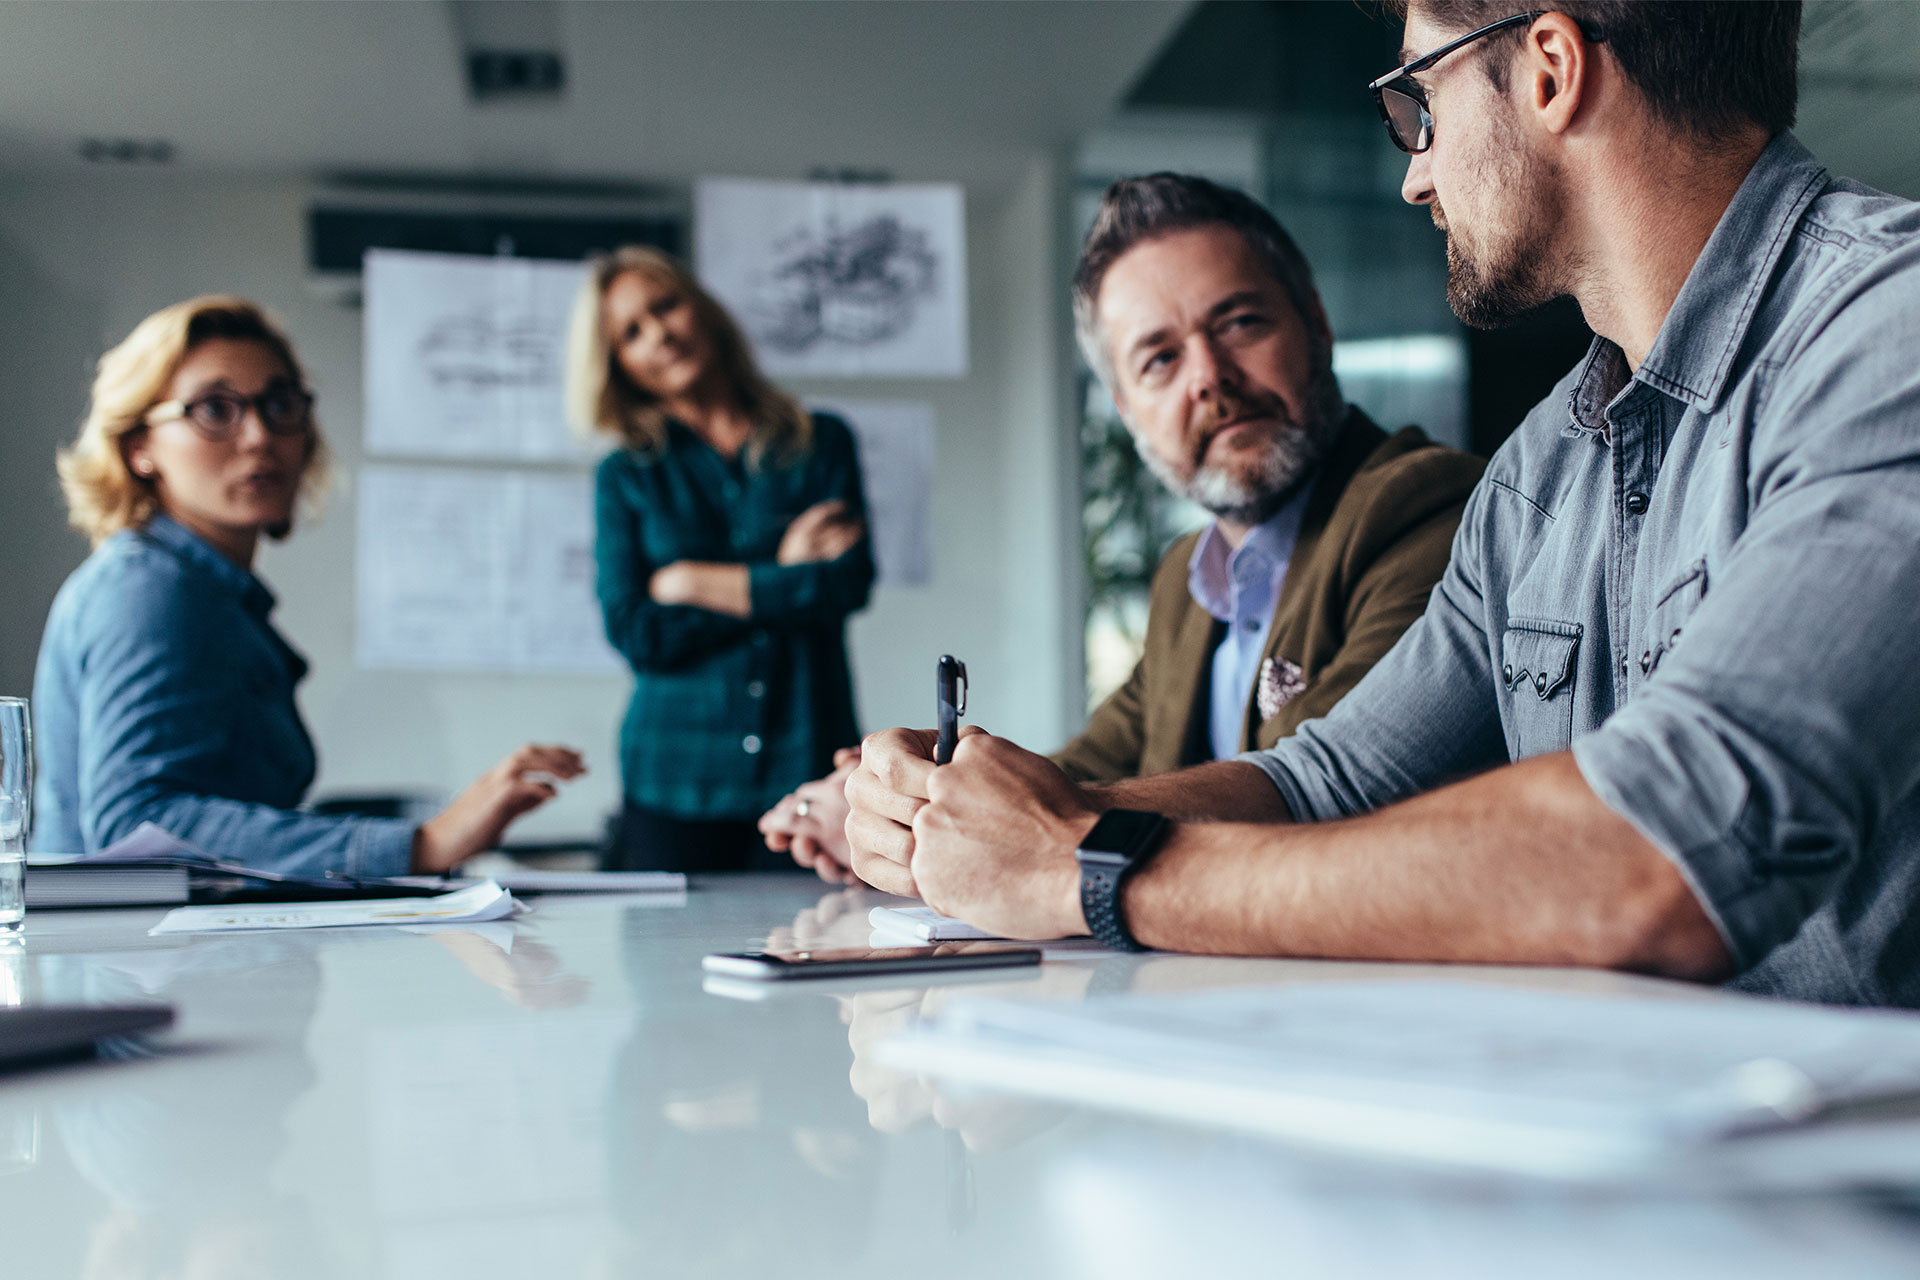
(1403, 103)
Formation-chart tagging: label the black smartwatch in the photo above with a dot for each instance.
(1120, 843)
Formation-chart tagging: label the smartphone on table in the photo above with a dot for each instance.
(847, 962)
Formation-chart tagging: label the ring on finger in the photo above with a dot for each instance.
(804, 808)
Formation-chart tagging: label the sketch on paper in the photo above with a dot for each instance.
(837, 279)
(465, 356)
(857, 286)
(464, 570)
(896, 472)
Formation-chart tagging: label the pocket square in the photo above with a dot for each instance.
(1280, 683)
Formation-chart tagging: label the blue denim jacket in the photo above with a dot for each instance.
(1703, 577)
(164, 695)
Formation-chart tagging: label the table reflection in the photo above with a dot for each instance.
(185, 1143)
(716, 1104)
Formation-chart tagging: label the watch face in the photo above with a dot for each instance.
(1121, 833)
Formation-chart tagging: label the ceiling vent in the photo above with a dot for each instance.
(126, 151)
(512, 50)
(495, 74)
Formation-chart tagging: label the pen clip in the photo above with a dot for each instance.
(960, 679)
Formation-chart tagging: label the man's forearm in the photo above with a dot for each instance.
(1524, 865)
(1223, 791)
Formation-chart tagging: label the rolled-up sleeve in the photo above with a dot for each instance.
(1784, 723)
(1426, 713)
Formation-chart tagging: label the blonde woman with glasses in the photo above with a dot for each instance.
(163, 692)
(731, 547)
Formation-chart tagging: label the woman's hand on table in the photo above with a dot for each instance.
(810, 824)
(480, 815)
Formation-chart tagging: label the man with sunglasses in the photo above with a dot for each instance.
(1662, 711)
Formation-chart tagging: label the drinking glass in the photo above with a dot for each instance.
(16, 810)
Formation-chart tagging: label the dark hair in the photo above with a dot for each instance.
(1138, 209)
(1707, 67)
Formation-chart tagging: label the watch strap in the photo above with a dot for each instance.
(1107, 857)
(1100, 903)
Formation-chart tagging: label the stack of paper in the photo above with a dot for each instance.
(914, 926)
(923, 924)
(1541, 1082)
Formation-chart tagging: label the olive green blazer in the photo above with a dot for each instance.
(1373, 541)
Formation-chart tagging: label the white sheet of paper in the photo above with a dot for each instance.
(918, 926)
(896, 472)
(465, 356)
(1552, 1083)
(537, 880)
(862, 280)
(477, 571)
(487, 901)
(924, 923)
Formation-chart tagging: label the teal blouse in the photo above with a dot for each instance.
(729, 714)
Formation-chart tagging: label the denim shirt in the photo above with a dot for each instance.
(164, 695)
(1240, 586)
(1703, 577)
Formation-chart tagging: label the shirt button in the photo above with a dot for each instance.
(1540, 684)
(758, 689)
(1636, 504)
(1646, 662)
(1506, 673)
(751, 744)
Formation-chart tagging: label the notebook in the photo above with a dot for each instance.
(39, 1033)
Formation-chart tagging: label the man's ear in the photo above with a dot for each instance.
(1317, 322)
(1554, 71)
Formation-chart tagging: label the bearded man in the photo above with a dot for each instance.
(1200, 315)
(1662, 712)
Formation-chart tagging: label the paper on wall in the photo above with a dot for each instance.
(477, 571)
(465, 355)
(863, 280)
(896, 471)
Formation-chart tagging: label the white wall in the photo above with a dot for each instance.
(84, 258)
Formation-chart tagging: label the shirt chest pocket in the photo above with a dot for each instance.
(1670, 613)
(1537, 666)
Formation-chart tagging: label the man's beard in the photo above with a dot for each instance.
(1504, 281)
(1290, 453)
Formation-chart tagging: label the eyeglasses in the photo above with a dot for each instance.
(1403, 103)
(284, 411)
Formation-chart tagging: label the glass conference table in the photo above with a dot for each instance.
(560, 1097)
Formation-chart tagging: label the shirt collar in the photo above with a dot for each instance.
(188, 547)
(1692, 355)
(1209, 569)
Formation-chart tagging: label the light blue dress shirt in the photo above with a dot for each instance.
(164, 695)
(1240, 587)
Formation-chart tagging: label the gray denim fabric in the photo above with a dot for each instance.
(1704, 578)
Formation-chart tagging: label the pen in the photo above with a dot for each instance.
(950, 691)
